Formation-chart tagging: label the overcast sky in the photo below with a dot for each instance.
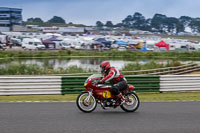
(89, 11)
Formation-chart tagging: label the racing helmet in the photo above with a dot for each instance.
(104, 66)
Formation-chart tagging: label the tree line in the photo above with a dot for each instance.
(55, 19)
(158, 23)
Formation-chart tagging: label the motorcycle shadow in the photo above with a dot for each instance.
(110, 111)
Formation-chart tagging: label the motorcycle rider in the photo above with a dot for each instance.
(116, 79)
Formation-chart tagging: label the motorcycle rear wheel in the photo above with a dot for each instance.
(133, 105)
(84, 104)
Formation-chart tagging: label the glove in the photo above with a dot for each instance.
(101, 82)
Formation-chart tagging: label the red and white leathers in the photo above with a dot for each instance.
(113, 75)
(118, 83)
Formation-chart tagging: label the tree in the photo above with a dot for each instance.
(159, 22)
(147, 25)
(171, 23)
(185, 20)
(180, 27)
(30, 19)
(99, 24)
(109, 24)
(37, 20)
(127, 21)
(56, 19)
(195, 26)
(138, 21)
(119, 25)
(197, 19)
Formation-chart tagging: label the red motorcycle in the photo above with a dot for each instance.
(100, 93)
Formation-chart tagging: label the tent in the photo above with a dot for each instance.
(121, 43)
(144, 48)
(163, 44)
(96, 45)
(53, 38)
(49, 44)
(104, 41)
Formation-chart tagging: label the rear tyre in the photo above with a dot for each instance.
(133, 105)
(85, 103)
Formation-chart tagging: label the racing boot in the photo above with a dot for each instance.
(119, 100)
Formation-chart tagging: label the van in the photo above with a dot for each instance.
(150, 45)
(59, 45)
(32, 44)
(16, 42)
(66, 45)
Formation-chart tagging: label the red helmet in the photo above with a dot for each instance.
(104, 66)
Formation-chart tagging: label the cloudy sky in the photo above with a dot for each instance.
(89, 11)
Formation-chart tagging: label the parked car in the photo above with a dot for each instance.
(16, 42)
(121, 49)
(66, 45)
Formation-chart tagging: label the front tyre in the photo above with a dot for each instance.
(86, 103)
(132, 104)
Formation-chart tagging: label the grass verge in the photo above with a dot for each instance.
(166, 96)
(110, 53)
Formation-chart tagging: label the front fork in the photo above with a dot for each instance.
(89, 96)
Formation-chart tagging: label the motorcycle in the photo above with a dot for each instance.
(101, 94)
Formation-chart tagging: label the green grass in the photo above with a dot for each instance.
(111, 53)
(69, 97)
(171, 96)
(166, 96)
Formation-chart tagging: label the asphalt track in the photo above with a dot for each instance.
(151, 117)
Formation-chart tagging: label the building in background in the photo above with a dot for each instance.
(63, 30)
(9, 17)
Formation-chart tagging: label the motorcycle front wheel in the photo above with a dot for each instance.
(86, 103)
(133, 103)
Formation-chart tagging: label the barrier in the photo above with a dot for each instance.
(179, 82)
(74, 84)
(31, 85)
(188, 68)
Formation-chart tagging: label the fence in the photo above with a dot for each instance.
(179, 82)
(24, 85)
(167, 70)
(73, 84)
(30, 85)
